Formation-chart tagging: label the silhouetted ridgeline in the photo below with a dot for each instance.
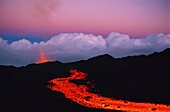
(138, 78)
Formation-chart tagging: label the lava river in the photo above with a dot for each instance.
(81, 95)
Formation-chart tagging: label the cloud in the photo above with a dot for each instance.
(74, 46)
(121, 45)
(69, 47)
(63, 47)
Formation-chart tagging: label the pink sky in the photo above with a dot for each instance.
(137, 18)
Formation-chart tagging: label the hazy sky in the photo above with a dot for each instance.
(41, 19)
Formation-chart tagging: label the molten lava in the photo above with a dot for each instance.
(80, 94)
(42, 59)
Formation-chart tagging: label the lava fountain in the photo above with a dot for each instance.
(42, 58)
(81, 95)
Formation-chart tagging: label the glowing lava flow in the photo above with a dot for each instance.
(81, 95)
(42, 59)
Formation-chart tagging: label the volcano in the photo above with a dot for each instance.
(136, 78)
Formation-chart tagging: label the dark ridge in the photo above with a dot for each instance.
(104, 57)
(51, 62)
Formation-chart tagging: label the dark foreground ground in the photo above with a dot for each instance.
(140, 79)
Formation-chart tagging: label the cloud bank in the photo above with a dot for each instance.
(69, 47)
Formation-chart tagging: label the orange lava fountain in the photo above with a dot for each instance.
(80, 94)
(42, 59)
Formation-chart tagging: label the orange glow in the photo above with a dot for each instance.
(42, 59)
(80, 94)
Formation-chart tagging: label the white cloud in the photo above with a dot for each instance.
(74, 46)
(76, 41)
(67, 47)
(120, 45)
(21, 44)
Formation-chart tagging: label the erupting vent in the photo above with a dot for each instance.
(42, 58)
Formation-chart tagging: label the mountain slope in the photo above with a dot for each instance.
(138, 78)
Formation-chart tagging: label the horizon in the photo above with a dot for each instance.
(101, 55)
(68, 47)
